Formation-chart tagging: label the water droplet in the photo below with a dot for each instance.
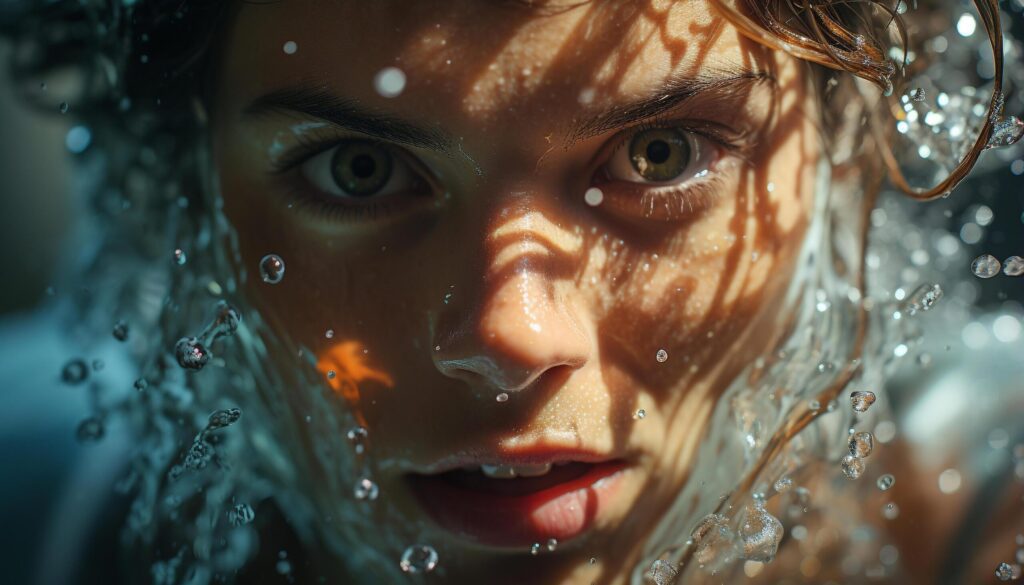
(223, 418)
(922, 299)
(852, 466)
(1013, 266)
(329, 334)
(761, 533)
(90, 430)
(885, 482)
(271, 269)
(290, 47)
(918, 94)
(357, 437)
(74, 372)
(783, 485)
(1006, 132)
(861, 444)
(985, 266)
(366, 490)
(661, 573)
(862, 400)
(191, 354)
(1004, 572)
(503, 397)
(447, 297)
(63, 107)
(241, 515)
(552, 544)
(890, 511)
(593, 560)
(389, 82)
(141, 384)
(198, 454)
(331, 374)
(179, 256)
(661, 356)
(78, 139)
(535, 548)
(97, 365)
(640, 414)
(593, 196)
(949, 481)
(120, 331)
(712, 539)
(418, 558)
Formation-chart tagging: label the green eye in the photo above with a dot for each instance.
(659, 154)
(361, 168)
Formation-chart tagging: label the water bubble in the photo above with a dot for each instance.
(885, 482)
(120, 331)
(90, 430)
(661, 356)
(331, 374)
(761, 533)
(191, 354)
(552, 544)
(78, 139)
(179, 256)
(366, 489)
(922, 299)
(640, 414)
(63, 107)
(861, 400)
(74, 372)
(223, 418)
(852, 466)
(661, 573)
(141, 384)
(389, 82)
(271, 269)
(357, 436)
(1013, 266)
(418, 558)
(985, 266)
(1004, 572)
(783, 485)
(890, 511)
(593, 560)
(949, 481)
(290, 47)
(503, 397)
(198, 454)
(593, 196)
(97, 365)
(329, 334)
(241, 515)
(1006, 132)
(861, 444)
(535, 549)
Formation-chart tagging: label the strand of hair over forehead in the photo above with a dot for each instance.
(849, 35)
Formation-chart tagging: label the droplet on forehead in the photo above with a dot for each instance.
(389, 82)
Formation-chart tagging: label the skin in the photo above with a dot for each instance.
(560, 304)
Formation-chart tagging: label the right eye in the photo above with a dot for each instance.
(361, 170)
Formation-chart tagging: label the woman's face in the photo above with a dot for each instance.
(557, 198)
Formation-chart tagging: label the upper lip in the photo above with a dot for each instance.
(538, 454)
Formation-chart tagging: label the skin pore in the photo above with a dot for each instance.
(475, 266)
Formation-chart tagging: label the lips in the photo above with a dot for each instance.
(515, 501)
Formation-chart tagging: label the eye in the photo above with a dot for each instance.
(361, 170)
(661, 156)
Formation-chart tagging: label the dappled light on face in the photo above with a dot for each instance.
(346, 367)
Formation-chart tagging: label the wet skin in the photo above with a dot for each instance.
(478, 268)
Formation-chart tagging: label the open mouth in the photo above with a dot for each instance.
(518, 505)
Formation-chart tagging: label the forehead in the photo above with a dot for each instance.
(482, 58)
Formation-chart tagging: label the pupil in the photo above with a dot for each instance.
(363, 166)
(658, 151)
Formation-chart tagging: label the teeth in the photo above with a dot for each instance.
(513, 471)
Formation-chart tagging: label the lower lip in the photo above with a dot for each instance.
(562, 511)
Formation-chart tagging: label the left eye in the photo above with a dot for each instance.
(360, 169)
(661, 156)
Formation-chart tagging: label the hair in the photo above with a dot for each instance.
(142, 71)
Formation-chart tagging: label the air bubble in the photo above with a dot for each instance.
(418, 558)
(922, 299)
(861, 444)
(1013, 266)
(290, 47)
(63, 107)
(141, 384)
(640, 414)
(191, 354)
(535, 549)
(179, 256)
(1004, 572)
(90, 430)
(661, 573)
(120, 331)
(271, 269)
(241, 515)
(783, 485)
(223, 418)
(366, 489)
(885, 482)
(861, 400)
(357, 437)
(74, 372)
(852, 466)
(918, 94)
(761, 533)
(503, 397)
(661, 356)
(329, 334)
(552, 544)
(389, 82)
(593, 196)
(985, 266)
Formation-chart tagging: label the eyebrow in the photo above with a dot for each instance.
(317, 101)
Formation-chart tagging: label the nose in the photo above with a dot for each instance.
(521, 324)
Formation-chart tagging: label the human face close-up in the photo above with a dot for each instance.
(543, 239)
